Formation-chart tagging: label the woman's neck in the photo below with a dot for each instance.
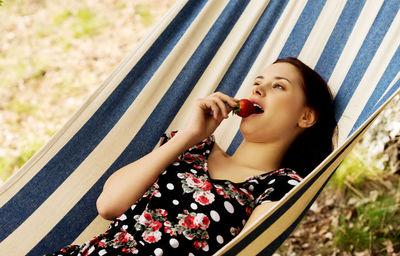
(259, 156)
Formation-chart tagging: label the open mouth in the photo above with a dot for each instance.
(258, 108)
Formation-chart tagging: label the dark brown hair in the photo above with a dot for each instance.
(315, 143)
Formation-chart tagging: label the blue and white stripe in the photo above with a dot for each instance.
(198, 48)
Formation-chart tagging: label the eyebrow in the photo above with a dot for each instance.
(276, 77)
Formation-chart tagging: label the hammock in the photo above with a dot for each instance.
(198, 48)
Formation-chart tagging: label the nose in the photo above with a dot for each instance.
(258, 90)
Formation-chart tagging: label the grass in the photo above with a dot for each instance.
(372, 224)
(370, 212)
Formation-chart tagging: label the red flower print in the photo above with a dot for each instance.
(189, 222)
(221, 192)
(94, 240)
(235, 231)
(196, 182)
(248, 211)
(156, 225)
(151, 237)
(101, 244)
(145, 219)
(201, 221)
(123, 238)
(200, 244)
(204, 198)
(206, 186)
(294, 176)
(200, 146)
(189, 158)
(162, 212)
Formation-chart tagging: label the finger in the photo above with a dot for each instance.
(223, 108)
(231, 102)
(211, 105)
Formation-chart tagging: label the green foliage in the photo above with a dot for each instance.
(355, 169)
(20, 107)
(8, 165)
(369, 225)
(145, 15)
(1, 2)
(86, 23)
(62, 16)
(370, 215)
(82, 22)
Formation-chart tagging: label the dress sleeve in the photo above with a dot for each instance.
(166, 137)
(203, 147)
(276, 185)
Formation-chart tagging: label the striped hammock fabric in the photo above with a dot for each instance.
(198, 48)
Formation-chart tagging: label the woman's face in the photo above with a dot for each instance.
(279, 92)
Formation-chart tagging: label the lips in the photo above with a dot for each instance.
(257, 105)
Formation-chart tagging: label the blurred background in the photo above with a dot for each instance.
(55, 53)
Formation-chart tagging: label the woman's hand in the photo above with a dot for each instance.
(208, 114)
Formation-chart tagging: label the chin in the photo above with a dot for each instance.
(251, 134)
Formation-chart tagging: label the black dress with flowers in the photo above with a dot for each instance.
(185, 212)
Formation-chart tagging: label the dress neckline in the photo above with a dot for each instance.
(245, 181)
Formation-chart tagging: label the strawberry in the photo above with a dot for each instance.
(246, 108)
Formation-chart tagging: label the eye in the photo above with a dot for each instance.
(278, 86)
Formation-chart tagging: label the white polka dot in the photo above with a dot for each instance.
(125, 227)
(251, 188)
(174, 243)
(170, 186)
(141, 242)
(164, 172)
(102, 252)
(190, 254)
(215, 216)
(133, 206)
(158, 252)
(220, 239)
(229, 207)
(175, 202)
(207, 151)
(176, 164)
(271, 181)
(193, 171)
(122, 217)
(244, 222)
(193, 206)
(157, 194)
(293, 182)
(206, 248)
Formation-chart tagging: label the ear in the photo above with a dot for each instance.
(308, 118)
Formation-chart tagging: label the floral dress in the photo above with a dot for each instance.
(186, 212)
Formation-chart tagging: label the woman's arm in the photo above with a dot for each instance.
(127, 185)
(259, 211)
(124, 187)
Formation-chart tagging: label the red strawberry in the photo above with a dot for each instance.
(246, 108)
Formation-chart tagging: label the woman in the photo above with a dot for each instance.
(188, 197)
